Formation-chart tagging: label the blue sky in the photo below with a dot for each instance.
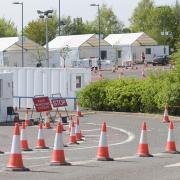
(74, 8)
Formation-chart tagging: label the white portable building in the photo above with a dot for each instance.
(11, 52)
(130, 46)
(6, 95)
(29, 82)
(82, 50)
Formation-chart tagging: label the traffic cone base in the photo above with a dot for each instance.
(24, 146)
(58, 158)
(143, 151)
(27, 122)
(103, 154)
(16, 163)
(41, 144)
(47, 126)
(166, 119)
(72, 140)
(79, 137)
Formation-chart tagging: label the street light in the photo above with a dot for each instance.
(46, 14)
(99, 59)
(22, 40)
(59, 22)
(164, 32)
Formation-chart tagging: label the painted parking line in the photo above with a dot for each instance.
(172, 165)
(89, 130)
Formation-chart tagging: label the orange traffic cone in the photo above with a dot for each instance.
(41, 142)
(27, 120)
(103, 152)
(166, 117)
(72, 137)
(60, 120)
(70, 123)
(143, 150)
(143, 73)
(23, 139)
(15, 161)
(78, 131)
(78, 112)
(58, 157)
(47, 121)
(171, 145)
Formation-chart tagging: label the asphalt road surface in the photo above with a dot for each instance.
(123, 130)
(138, 71)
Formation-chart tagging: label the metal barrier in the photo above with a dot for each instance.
(24, 97)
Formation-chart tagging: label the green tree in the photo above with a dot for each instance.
(161, 23)
(7, 28)
(36, 29)
(141, 18)
(108, 21)
(64, 54)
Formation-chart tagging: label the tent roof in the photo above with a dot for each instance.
(75, 41)
(6, 42)
(14, 44)
(127, 39)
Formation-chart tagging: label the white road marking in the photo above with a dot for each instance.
(172, 165)
(91, 135)
(89, 130)
(130, 135)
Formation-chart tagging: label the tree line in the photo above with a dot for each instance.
(161, 23)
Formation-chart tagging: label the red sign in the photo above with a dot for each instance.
(58, 102)
(42, 104)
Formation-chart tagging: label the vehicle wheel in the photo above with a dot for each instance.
(154, 64)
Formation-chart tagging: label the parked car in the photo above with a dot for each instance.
(163, 60)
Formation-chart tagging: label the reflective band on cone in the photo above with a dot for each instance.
(27, 120)
(47, 121)
(143, 150)
(15, 160)
(166, 116)
(41, 142)
(78, 112)
(70, 123)
(23, 139)
(78, 131)
(60, 120)
(171, 145)
(58, 157)
(72, 137)
(103, 151)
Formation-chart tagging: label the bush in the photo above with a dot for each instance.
(133, 95)
(93, 96)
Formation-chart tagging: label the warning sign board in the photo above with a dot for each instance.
(59, 102)
(42, 104)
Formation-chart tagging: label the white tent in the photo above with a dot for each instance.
(130, 46)
(81, 48)
(11, 52)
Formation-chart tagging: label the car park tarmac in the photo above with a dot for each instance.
(123, 131)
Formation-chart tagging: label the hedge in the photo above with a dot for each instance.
(134, 95)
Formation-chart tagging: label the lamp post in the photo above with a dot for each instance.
(164, 32)
(46, 14)
(99, 22)
(22, 40)
(59, 22)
